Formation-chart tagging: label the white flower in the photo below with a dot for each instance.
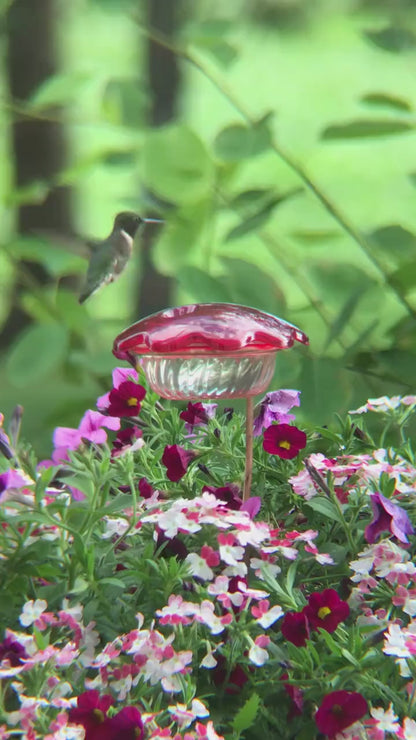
(386, 720)
(409, 729)
(270, 617)
(257, 655)
(199, 567)
(32, 611)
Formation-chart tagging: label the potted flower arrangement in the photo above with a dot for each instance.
(142, 597)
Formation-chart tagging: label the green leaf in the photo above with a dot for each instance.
(250, 200)
(176, 164)
(246, 716)
(238, 142)
(394, 239)
(315, 237)
(203, 287)
(386, 100)
(180, 237)
(258, 219)
(392, 39)
(326, 507)
(249, 285)
(37, 352)
(344, 315)
(361, 129)
(117, 582)
(60, 89)
(33, 194)
(404, 278)
(57, 261)
(124, 101)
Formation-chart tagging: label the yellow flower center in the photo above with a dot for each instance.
(285, 444)
(323, 612)
(98, 716)
(132, 401)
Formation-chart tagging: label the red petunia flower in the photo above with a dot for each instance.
(229, 493)
(325, 609)
(126, 725)
(91, 713)
(125, 440)
(125, 400)
(176, 459)
(198, 413)
(145, 489)
(339, 710)
(295, 628)
(284, 440)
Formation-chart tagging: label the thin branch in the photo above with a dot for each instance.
(329, 206)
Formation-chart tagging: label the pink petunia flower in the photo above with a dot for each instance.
(274, 407)
(91, 429)
(387, 516)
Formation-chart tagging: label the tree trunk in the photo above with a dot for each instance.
(164, 81)
(39, 146)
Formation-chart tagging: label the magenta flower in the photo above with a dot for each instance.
(326, 610)
(274, 407)
(145, 489)
(120, 375)
(295, 628)
(91, 713)
(125, 400)
(127, 439)
(229, 493)
(387, 517)
(91, 429)
(12, 651)
(339, 710)
(176, 459)
(198, 413)
(126, 725)
(284, 440)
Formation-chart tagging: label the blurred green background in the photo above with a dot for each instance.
(276, 138)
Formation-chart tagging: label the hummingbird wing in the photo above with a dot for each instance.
(108, 260)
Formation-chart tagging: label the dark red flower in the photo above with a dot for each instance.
(125, 438)
(339, 710)
(173, 546)
(176, 459)
(325, 609)
(145, 489)
(229, 494)
(91, 713)
(295, 628)
(125, 400)
(232, 681)
(198, 413)
(126, 725)
(296, 696)
(284, 440)
(12, 651)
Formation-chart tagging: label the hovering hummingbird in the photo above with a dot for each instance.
(108, 258)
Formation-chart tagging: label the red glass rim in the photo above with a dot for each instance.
(207, 329)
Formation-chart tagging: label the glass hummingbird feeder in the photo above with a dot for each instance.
(209, 351)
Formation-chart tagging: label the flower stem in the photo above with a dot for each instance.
(249, 447)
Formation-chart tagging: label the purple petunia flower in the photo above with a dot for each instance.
(388, 516)
(274, 407)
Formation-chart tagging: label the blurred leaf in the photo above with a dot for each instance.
(119, 158)
(361, 129)
(179, 237)
(258, 219)
(246, 715)
(392, 39)
(210, 36)
(71, 312)
(239, 142)
(249, 200)
(335, 280)
(315, 237)
(124, 101)
(32, 194)
(404, 278)
(57, 261)
(203, 287)
(395, 240)
(176, 164)
(60, 89)
(326, 386)
(387, 101)
(249, 285)
(36, 352)
(344, 315)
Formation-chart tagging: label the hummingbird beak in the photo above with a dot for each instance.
(153, 220)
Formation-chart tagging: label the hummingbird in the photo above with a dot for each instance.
(109, 258)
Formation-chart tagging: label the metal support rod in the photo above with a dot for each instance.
(249, 447)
